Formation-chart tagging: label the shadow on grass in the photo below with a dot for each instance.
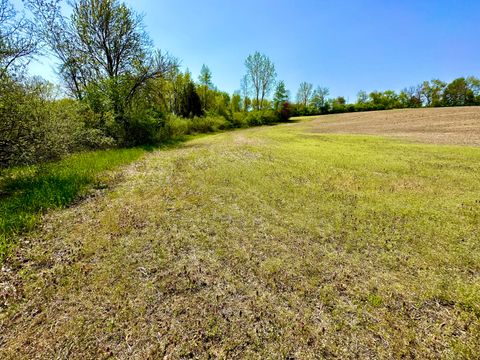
(27, 192)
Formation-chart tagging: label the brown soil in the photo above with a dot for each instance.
(458, 126)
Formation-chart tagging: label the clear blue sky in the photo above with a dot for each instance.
(344, 45)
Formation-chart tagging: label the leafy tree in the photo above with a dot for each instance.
(205, 77)
(362, 97)
(426, 93)
(474, 85)
(432, 92)
(16, 41)
(245, 91)
(319, 99)
(458, 93)
(103, 48)
(236, 102)
(384, 100)
(410, 97)
(185, 100)
(191, 104)
(304, 94)
(205, 81)
(339, 104)
(260, 77)
(247, 103)
(437, 87)
(281, 94)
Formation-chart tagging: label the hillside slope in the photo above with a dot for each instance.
(272, 242)
(459, 126)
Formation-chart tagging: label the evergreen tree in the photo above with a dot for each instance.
(281, 95)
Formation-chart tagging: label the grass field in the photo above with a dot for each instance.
(27, 192)
(274, 242)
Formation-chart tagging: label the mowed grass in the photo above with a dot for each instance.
(271, 242)
(27, 192)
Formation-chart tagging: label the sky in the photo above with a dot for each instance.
(346, 46)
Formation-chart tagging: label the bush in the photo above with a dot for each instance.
(143, 125)
(37, 128)
(284, 112)
(174, 127)
(239, 120)
(262, 117)
(208, 124)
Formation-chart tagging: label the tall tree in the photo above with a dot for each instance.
(304, 94)
(458, 93)
(474, 84)
(236, 102)
(205, 81)
(437, 87)
(245, 92)
(205, 77)
(410, 97)
(260, 76)
(281, 94)
(319, 98)
(17, 42)
(362, 97)
(427, 93)
(103, 49)
(103, 39)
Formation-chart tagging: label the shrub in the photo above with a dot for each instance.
(143, 125)
(262, 117)
(284, 112)
(208, 124)
(239, 120)
(174, 127)
(37, 128)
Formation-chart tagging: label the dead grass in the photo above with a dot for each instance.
(460, 126)
(262, 243)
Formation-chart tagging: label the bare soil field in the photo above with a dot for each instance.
(458, 125)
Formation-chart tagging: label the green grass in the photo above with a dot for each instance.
(27, 192)
(268, 242)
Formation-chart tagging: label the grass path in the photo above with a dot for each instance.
(270, 242)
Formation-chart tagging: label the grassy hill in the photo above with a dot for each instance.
(275, 242)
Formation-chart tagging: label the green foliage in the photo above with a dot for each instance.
(174, 128)
(434, 93)
(205, 77)
(36, 128)
(262, 117)
(260, 78)
(236, 102)
(458, 93)
(281, 95)
(239, 120)
(319, 99)
(208, 124)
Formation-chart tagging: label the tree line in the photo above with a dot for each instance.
(118, 90)
(435, 93)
